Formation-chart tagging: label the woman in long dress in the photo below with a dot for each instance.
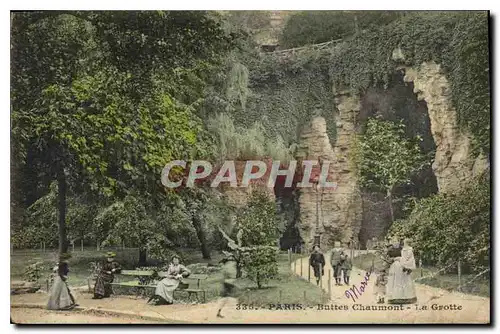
(400, 286)
(164, 293)
(60, 297)
(102, 288)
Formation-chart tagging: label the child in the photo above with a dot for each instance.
(228, 287)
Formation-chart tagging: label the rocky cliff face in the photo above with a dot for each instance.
(239, 196)
(453, 164)
(336, 212)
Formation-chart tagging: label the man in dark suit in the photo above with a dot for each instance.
(336, 262)
(317, 261)
(345, 266)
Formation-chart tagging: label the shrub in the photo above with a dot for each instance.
(33, 272)
(260, 264)
(448, 227)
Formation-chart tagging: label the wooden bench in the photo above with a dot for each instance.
(187, 284)
(191, 285)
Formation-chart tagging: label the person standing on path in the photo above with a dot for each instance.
(400, 286)
(60, 297)
(317, 261)
(381, 264)
(385, 255)
(335, 261)
(346, 266)
(228, 287)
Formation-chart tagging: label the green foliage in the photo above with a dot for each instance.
(287, 95)
(387, 158)
(258, 221)
(41, 221)
(129, 222)
(428, 36)
(237, 85)
(33, 272)
(458, 41)
(260, 264)
(239, 142)
(107, 98)
(448, 227)
(312, 27)
(250, 21)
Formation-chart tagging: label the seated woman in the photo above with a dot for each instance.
(60, 298)
(400, 286)
(109, 268)
(165, 288)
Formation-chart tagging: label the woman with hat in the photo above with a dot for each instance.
(400, 286)
(60, 298)
(106, 276)
(164, 293)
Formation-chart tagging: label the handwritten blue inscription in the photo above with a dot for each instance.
(354, 293)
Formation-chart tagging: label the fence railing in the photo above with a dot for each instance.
(451, 277)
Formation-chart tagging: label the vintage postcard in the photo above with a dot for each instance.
(250, 167)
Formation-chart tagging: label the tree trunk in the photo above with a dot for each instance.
(239, 272)
(389, 196)
(200, 233)
(62, 187)
(142, 257)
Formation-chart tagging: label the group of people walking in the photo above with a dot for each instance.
(393, 265)
(339, 259)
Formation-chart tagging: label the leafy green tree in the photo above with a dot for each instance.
(129, 223)
(261, 264)
(386, 158)
(205, 209)
(257, 230)
(450, 227)
(259, 221)
(92, 95)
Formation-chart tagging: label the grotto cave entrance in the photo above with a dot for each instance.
(287, 201)
(396, 102)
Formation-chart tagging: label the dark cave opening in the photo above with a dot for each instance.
(396, 103)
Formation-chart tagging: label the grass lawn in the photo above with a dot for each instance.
(79, 264)
(447, 281)
(286, 288)
(293, 289)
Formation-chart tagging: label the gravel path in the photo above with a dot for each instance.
(339, 310)
(40, 316)
(455, 307)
